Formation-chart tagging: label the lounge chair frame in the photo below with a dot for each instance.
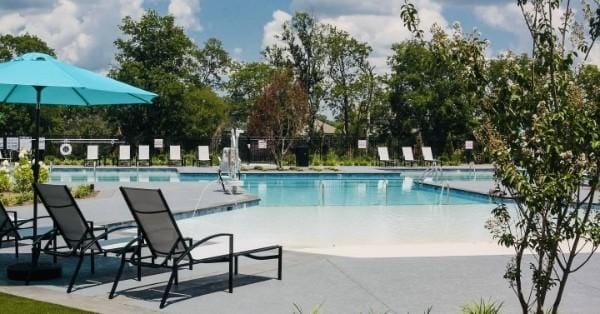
(180, 254)
(9, 229)
(86, 245)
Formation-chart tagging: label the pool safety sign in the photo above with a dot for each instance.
(469, 145)
(158, 143)
(262, 144)
(362, 144)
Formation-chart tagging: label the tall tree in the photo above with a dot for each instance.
(351, 81)
(425, 94)
(280, 113)
(212, 63)
(304, 50)
(246, 83)
(156, 55)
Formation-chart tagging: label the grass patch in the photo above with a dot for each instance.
(13, 304)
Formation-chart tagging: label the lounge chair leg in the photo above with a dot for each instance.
(168, 288)
(177, 276)
(54, 257)
(119, 272)
(231, 275)
(235, 265)
(16, 247)
(75, 273)
(279, 263)
(92, 262)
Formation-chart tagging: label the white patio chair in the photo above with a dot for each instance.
(175, 153)
(143, 153)
(92, 154)
(407, 153)
(203, 154)
(428, 155)
(124, 153)
(383, 154)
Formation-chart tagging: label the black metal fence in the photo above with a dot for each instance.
(251, 149)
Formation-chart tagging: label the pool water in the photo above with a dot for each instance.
(304, 189)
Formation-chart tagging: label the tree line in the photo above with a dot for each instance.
(431, 95)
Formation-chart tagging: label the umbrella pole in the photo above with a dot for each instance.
(36, 161)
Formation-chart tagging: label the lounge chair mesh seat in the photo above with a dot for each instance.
(15, 230)
(77, 233)
(163, 238)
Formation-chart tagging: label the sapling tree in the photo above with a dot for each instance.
(541, 127)
(539, 121)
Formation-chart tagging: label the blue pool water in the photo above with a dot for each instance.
(304, 189)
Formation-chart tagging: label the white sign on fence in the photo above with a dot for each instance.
(158, 143)
(12, 143)
(362, 144)
(42, 143)
(469, 145)
(262, 144)
(25, 143)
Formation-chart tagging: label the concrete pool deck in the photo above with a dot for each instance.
(184, 198)
(337, 284)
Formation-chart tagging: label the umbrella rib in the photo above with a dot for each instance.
(9, 93)
(132, 95)
(80, 96)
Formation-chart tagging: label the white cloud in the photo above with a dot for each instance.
(375, 22)
(186, 13)
(82, 32)
(274, 27)
(237, 51)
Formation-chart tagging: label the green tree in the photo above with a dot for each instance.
(280, 113)
(425, 94)
(156, 55)
(304, 51)
(246, 83)
(212, 63)
(541, 124)
(351, 82)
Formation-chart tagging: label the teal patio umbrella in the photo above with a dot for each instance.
(39, 79)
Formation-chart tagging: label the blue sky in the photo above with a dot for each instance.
(82, 31)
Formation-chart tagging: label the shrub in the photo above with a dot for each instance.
(82, 191)
(23, 174)
(5, 184)
(315, 160)
(331, 159)
(8, 199)
(23, 197)
(482, 307)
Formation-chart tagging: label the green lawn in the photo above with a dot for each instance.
(13, 304)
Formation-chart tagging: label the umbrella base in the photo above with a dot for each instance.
(41, 271)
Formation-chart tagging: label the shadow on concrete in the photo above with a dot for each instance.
(189, 289)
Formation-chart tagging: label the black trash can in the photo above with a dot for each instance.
(302, 156)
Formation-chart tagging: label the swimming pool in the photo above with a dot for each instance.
(304, 189)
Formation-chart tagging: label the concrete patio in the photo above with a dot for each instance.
(336, 284)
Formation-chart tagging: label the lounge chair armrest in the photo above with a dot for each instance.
(104, 236)
(26, 221)
(48, 235)
(204, 240)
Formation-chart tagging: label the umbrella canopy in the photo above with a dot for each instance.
(62, 84)
(37, 78)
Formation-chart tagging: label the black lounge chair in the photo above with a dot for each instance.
(15, 230)
(77, 233)
(165, 241)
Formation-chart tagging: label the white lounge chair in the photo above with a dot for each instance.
(124, 154)
(384, 156)
(407, 153)
(175, 153)
(143, 154)
(92, 154)
(203, 154)
(428, 155)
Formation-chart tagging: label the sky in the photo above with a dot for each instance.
(83, 31)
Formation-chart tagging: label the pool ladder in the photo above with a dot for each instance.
(446, 187)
